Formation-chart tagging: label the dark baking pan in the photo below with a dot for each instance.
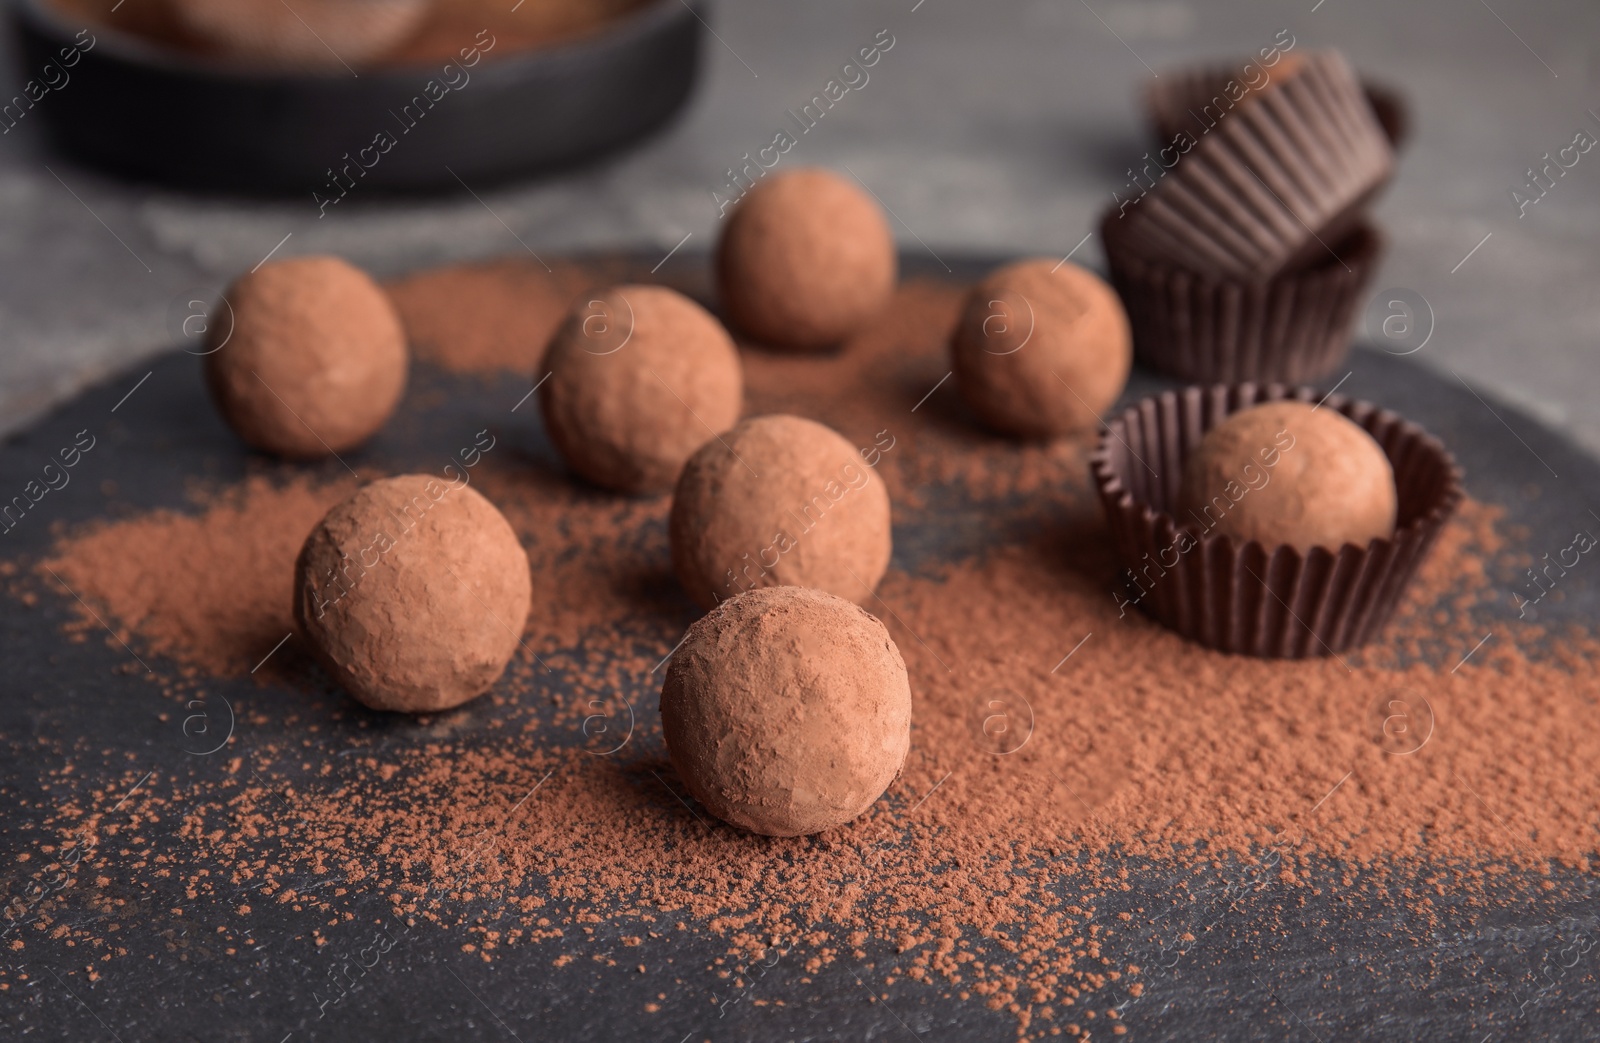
(148, 111)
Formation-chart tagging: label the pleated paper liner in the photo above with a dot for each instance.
(1289, 329)
(1184, 101)
(1248, 598)
(1281, 175)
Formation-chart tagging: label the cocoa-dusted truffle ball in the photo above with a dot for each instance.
(1290, 473)
(787, 711)
(307, 357)
(308, 34)
(639, 378)
(779, 500)
(1042, 349)
(413, 593)
(806, 260)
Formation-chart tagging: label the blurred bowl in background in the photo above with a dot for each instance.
(518, 97)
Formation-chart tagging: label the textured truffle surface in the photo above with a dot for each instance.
(639, 378)
(1290, 473)
(1041, 349)
(306, 357)
(413, 593)
(806, 260)
(787, 711)
(779, 500)
(308, 34)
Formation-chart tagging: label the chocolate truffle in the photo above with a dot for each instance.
(806, 260)
(639, 378)
(1288, 473)
(779, 500)
(413, 593)
(306, 357)
(1042, 348)
(787, 711)
(309, 34)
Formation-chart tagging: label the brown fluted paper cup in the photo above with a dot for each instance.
(1290, 329)
(1248, 598)
(1181, 101)
(1280, 176)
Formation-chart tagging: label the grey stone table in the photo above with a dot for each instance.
(1000, 127)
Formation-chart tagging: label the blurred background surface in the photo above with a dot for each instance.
(998, 128)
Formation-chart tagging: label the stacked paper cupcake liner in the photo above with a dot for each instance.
(1292, 328)
(1279, 175)
(1174, 103)
(1246, 259)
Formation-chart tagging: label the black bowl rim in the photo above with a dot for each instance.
(43, 17)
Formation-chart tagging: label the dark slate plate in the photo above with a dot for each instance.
(1338, 966)
(146, 111)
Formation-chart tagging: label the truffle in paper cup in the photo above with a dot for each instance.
(1246, 598)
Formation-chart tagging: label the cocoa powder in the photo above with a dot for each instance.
(207, 589)
(485, 317)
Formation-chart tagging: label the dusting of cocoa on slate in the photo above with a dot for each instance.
(492, 315)
(208, 589)
(487, 317)
(990, 887)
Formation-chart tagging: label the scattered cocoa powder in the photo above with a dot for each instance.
(485, 317)
(987, 863)
(209, 589)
